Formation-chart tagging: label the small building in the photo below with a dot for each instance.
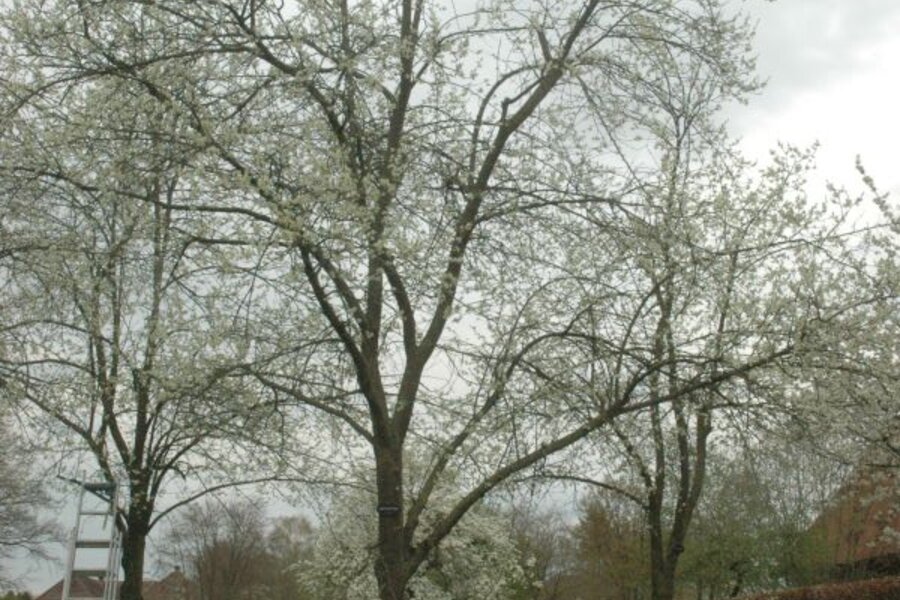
(859, 535)
(174, 586)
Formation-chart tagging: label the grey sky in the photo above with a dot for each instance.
(806, 44)
(832, 75)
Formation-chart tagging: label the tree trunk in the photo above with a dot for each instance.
(663, 561)
(133, 566)
(134, 542)
(657, 566)
(392, 563)
(662, 581)
(666, 589)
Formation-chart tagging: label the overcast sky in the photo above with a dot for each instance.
(833, 72)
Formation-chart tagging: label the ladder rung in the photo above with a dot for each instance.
(99, 573)
(101, 486)
(92, 543)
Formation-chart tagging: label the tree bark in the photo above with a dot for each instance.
(392, 563)
(657, 550)
(134, 543)
(133, 546)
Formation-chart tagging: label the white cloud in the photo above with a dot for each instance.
(832, 72)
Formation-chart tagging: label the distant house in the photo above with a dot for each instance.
(859, 535)
(174, 586)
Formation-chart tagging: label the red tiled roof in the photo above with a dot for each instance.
(868, 589)
(172, 587)
(82, 587)
(854, 528)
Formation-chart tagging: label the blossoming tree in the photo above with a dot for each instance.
(430, 202)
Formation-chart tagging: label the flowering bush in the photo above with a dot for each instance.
(479, 560)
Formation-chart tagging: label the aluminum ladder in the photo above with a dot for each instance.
(100, 511)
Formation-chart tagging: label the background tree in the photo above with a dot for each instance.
(545, 549)
(611, 557)
(701, 236)
(752, 531)
(228, 550)
(118, 325)
(289, 543)
(22, 496)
